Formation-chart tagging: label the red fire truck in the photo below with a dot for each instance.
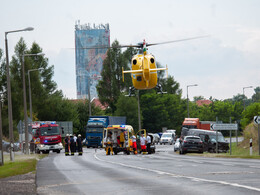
(47, 137)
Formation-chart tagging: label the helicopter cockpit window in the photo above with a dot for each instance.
(139, 78)
(134, 61)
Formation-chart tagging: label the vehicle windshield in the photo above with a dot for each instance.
(95, 123)
(193, 138)
(49, 131)
(213, 138)
(94, 130)
(166, 135)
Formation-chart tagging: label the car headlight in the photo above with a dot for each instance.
(60, 144)
(41, 145)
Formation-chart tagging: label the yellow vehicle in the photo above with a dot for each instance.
(117, 138)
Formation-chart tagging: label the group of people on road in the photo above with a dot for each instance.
(73, 144)
(145, 143)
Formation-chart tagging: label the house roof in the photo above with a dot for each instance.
(203, 102)
(95, 101)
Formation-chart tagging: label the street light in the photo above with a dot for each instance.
(188, 97)
(244, 94)
(10, 114)
(1, 133)
(30, 95)
(25, 103)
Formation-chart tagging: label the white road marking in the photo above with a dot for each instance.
(180, 176)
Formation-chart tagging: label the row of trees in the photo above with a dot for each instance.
(157, 111)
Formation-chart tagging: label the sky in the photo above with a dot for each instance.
(221, 64)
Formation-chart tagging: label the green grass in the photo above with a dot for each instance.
(237, 151)
(22, 164)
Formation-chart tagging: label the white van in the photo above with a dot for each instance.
(167, 138)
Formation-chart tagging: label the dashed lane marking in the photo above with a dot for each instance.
(180, 176)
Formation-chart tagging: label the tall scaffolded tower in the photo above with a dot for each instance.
(89, 61)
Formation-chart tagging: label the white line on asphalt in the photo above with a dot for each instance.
(180, 176)
(254, 167)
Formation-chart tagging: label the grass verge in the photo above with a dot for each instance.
(237, 151)
(23, 164)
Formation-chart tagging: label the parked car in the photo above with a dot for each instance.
(191, 144)
(6, 146)
(167, 138)
(208, 138)
(177, 145)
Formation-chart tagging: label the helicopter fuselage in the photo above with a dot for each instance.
(144, 73)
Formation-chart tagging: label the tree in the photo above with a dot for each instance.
(162, 111)
(256, 96)
(170, 86)
(82, 108)
(249, 113)
(111, 85)
(127, 106)
(196, 98)
(43, 88)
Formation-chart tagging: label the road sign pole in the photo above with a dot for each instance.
(257, 121)
(251, 145)
(230, 143)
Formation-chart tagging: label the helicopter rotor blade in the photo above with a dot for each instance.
(179, 40)
(140, 45)
(109, 47)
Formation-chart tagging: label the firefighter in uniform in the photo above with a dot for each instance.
(109, 144)
(67, 145)
(79, 143)
(72, 145)
(149, 141)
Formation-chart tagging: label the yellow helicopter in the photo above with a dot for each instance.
(144, 70)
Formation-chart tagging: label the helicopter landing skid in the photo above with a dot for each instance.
(131, 92)
(159, 89)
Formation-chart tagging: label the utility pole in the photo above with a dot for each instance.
(1, 135)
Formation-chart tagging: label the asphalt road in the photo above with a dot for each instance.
(165, 172)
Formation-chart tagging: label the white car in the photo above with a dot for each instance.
(177, 145)
(167, 138)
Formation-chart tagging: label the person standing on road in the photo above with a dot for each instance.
(75, 142)
(148, 144)
(122, 138)
(72, 145)
(67, 145)
(134, 144)
(143, 143)
(79, 143)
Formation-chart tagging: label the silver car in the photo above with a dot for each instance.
(6, 146)
(177, 145)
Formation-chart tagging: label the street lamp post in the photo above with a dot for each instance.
(25, 103)
(30, 95)
(244, 95)
(1, 134)
(10, 114)
(188, 97)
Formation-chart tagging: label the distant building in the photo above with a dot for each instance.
(89, 60)
(203, 102)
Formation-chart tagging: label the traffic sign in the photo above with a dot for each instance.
(225, 126)
(257, 120)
